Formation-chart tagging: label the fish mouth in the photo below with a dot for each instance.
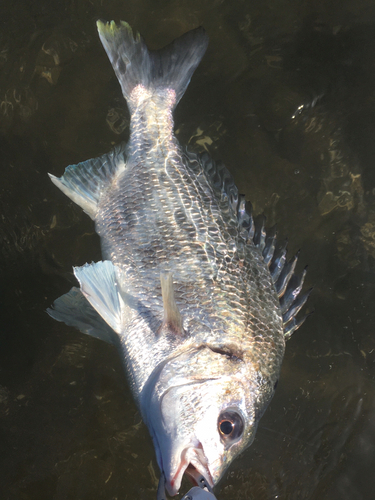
(194, 465)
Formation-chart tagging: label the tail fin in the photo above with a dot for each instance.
(171, 67)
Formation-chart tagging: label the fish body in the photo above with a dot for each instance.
(189, 290)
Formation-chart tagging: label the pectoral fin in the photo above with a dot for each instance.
(172, 317)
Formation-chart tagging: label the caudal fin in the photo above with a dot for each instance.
(171, 67)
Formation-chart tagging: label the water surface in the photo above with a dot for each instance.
(285, 96)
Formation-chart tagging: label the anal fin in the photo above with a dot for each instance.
(84, 183)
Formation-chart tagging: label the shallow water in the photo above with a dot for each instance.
(285, 96)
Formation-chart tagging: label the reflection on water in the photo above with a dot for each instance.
(285, 96)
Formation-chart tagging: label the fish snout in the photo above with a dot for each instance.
(194, 464)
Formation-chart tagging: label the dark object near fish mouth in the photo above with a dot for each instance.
(197, 478)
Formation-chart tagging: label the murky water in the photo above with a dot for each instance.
(285, 96)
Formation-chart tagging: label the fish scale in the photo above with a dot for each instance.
(223, 278)
(190, 287)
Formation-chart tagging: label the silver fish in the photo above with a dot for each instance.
(190, 290)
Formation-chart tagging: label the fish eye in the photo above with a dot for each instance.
(226, 427)
(230, 425)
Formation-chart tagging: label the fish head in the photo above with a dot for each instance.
(202, 409)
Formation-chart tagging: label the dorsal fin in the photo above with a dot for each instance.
(253, 232)
(172, 317)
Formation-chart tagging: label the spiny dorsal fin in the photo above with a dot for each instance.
(253, 232)
(172, 317)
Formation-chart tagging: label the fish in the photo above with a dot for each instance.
(198, 298)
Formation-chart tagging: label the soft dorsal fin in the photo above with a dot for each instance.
(172, 317)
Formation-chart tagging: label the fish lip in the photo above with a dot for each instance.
(195, 474)
(194, 464)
